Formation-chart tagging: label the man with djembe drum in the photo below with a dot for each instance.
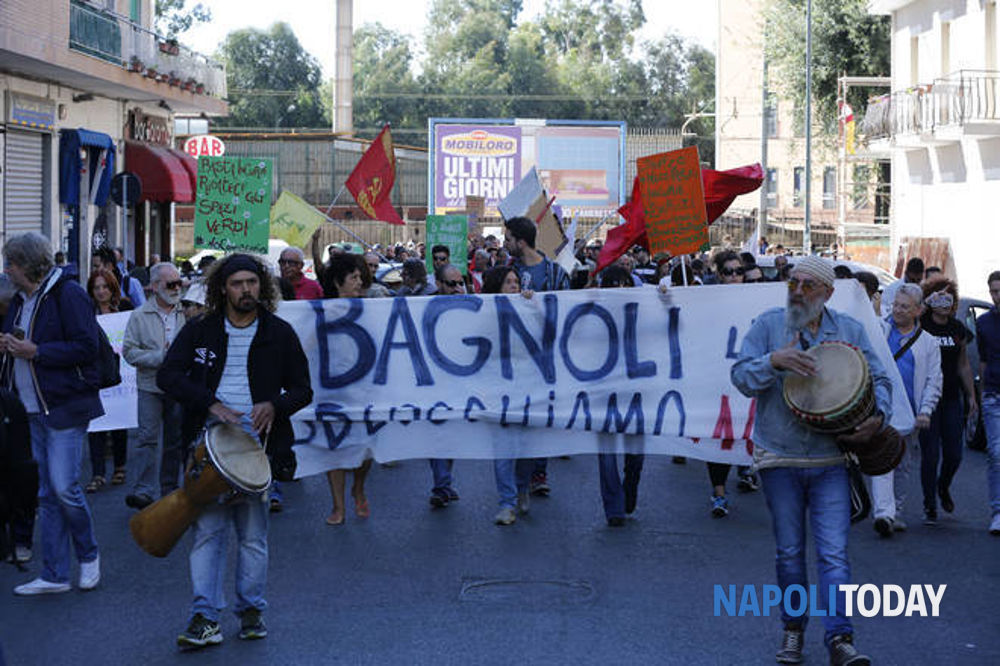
(239, 364)
(802, 469)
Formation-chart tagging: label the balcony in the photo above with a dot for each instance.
(115, 39)
(963, 104)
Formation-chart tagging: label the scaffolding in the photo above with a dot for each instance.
(863, 182)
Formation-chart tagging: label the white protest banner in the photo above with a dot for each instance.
(497, 376)
(120, 402)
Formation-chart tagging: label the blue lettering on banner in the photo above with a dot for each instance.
(731, 345)
(437, 307)
(437, 405)
(661, 411)
(610, 360)
(344, 325)
(582, 402)
(401, 314)
(621, 424)
(329, 413)
(371, 426)
(541, 353)
(634, 367)
(470, 403)
(676, 370)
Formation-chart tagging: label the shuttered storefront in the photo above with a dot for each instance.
(25, 182)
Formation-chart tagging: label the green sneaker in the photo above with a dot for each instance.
(252, 625)
(200, 633)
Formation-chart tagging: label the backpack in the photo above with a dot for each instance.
(109, 363)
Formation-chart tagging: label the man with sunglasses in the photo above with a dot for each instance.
(802, 471)
(291, 262)
(150, 330)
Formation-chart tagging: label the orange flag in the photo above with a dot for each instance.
(373, 178)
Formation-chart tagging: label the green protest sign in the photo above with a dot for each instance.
(233, 204)
(452, 232)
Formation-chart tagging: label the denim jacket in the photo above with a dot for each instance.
(775, 428)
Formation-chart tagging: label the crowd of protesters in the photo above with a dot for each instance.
(918, 313)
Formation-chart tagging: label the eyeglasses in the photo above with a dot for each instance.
(289, 262)
(732, 271)
(173, 284)
(808, 286)
(440, 257)
(453, 283)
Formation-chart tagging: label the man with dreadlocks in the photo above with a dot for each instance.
(238, 364)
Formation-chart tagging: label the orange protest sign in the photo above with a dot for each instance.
(673, 201)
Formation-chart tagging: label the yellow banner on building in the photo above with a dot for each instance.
(293, 220)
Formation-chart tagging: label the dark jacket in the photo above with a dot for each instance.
(277, 368)
(65, 368)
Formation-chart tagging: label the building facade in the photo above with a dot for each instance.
(942, 125)
(88, 90)
(744, 122)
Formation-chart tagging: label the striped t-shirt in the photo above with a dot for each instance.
(234, 387)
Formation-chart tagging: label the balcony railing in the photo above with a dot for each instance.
(112, 37)
(954, 101)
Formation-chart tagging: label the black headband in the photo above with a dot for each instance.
(238, 262)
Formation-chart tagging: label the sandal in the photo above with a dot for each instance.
(118, 478)
(362, 509)
(333, 520)
(95, 484)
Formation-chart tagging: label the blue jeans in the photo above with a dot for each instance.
(612, 488)
(208, 556)
(512, 476)
(441, 469)
(991, 421)
(825, 493)
(63, 513)
(943, 439)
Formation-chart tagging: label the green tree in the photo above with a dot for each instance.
(846, 39)
(385, 89)
(173, 17)
(273, 82)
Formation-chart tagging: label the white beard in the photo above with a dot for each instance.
(167, 297)
(798, 316)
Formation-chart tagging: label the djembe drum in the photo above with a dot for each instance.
(226, 460)
(838, 398)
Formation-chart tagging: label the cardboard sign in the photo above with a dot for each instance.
(528, 199)
(450, 231)
(673, 201)
(233, 204)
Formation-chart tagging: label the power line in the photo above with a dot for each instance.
(468, 96)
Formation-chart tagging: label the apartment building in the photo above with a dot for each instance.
(942, 124)
(88, 90)
(840, 202)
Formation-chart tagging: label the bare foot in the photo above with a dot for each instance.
(336, 517)
(361, 507)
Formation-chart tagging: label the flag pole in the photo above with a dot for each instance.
(598, 226)
(330, 207)
(348, 231)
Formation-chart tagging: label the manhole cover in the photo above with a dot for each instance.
(527, 591)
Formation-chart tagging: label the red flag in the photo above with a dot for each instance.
(624, 236)
(721, 188)
(373, 177)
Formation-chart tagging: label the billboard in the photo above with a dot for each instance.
(581, 163)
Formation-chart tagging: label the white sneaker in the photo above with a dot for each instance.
(41, 586)
(90, 574)
(506, 516)
(995, 525)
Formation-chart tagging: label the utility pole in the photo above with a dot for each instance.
(807, 227)
(764, 129)
(343, 68)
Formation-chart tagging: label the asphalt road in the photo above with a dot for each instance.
(418, 586)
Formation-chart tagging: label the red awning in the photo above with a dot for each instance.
(162, 174)
(190, 165)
